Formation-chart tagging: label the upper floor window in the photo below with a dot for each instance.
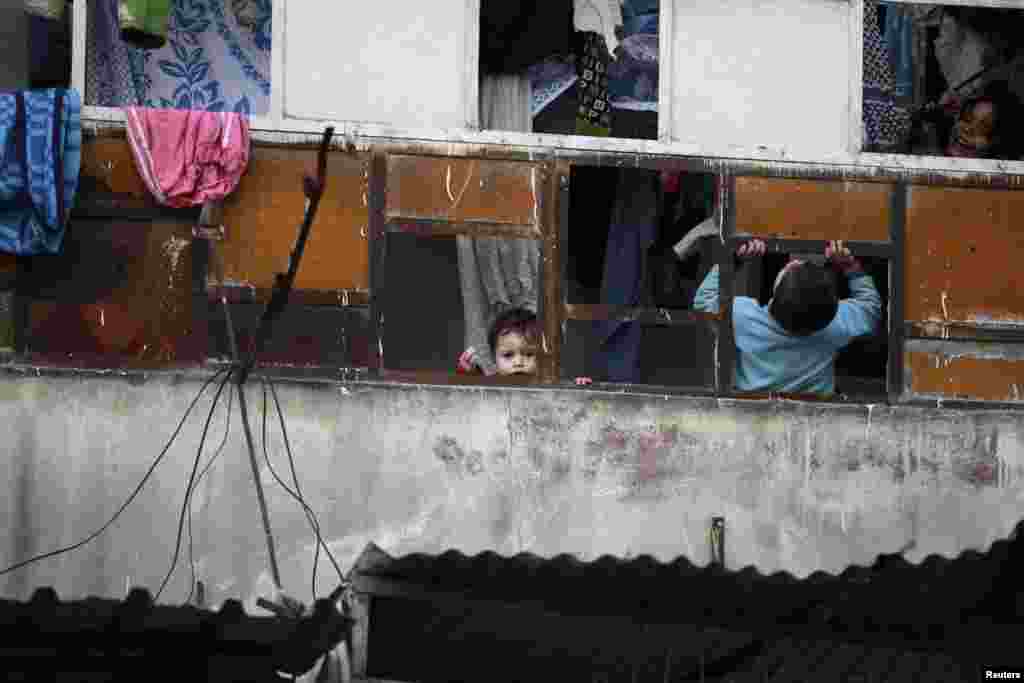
(572, 68)
(943, 80)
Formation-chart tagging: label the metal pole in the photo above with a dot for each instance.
(313, 189)
(274, 571)
(243, 405)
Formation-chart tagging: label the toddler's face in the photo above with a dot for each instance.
(515, 355)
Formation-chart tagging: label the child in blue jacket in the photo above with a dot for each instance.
(790, 345)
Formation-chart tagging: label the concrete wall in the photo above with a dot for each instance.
(801, 486)
(739, 69)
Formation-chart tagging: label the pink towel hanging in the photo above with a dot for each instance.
(187, 158)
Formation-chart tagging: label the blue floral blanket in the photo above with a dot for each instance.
(217, 58)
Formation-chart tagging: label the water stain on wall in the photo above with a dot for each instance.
(457, 461)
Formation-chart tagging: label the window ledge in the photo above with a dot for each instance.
(763, 161)
(355, 379)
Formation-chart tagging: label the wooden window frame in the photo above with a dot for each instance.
(555, 310)
(725, 348)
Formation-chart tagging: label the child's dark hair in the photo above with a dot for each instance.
(513, 320)
(806, 300)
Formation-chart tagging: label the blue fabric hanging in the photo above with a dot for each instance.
(887, 120)
(632, 230)
(40, 156)
(898, 32)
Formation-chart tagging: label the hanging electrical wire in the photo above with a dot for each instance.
(294, 494)
(199, 479)
(297, 493)
(138, 488)
(227, 428)
(188, 489)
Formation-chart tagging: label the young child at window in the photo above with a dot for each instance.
(513, 339)
(790, 345)
(984, 126)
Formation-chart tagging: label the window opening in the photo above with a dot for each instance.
(209, 55)
(638, 244)
(943, 80)
(845, 358)
(588, 67)
(442, 296)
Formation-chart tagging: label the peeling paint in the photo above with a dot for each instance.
(172, 249)
(536, 197)
(976, 372)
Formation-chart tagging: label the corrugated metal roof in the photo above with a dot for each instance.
(46, 636)
(942, 615)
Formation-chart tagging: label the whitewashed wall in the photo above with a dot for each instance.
(390, 62)
(802, 487)
(754, 74)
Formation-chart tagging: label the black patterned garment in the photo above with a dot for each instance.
(516, 35)
(593, 114)
(886, 123)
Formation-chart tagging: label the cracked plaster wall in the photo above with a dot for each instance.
(424, 469)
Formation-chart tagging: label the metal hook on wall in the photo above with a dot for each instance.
(717, 537)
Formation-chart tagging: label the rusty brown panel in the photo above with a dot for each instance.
(462, 190)
(108, 166)
(964, 248)
(964, 377)
(8, 263)
(136, 311)
(262, 217)
(812, 209)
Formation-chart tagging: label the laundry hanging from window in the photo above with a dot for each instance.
(216, 56)
(188, 158)
(144, 22)
(40, 157)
